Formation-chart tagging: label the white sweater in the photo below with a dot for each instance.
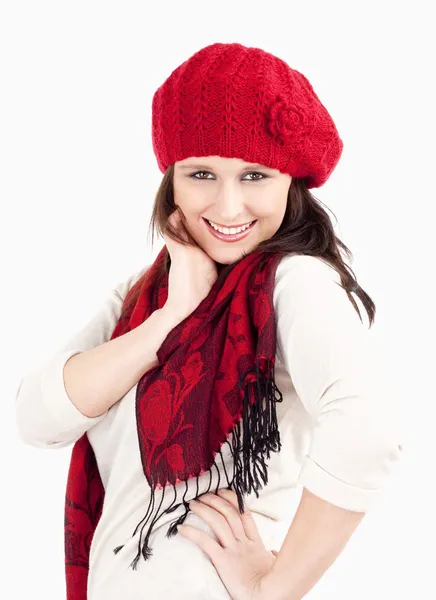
(338, 437)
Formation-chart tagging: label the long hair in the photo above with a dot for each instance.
(306, 229)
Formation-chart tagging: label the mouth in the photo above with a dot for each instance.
(230, 237)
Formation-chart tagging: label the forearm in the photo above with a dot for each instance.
(99, 377)
(317, 535)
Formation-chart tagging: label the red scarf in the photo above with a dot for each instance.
(214, 367)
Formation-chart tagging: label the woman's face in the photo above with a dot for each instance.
(229, 192)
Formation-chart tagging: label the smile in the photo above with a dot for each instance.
(230, 237)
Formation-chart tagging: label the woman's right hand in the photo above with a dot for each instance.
(192, 272)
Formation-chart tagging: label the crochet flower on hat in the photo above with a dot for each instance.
(289, 123)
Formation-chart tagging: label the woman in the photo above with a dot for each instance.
(235, 369)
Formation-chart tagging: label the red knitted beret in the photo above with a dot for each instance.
(236, 101)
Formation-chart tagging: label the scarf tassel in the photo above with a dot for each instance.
(260, 436)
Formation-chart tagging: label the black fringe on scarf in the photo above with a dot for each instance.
(260, 436)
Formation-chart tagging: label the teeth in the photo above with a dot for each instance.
(227, 230)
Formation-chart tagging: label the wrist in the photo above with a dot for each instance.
(169, 316)
(273, 588)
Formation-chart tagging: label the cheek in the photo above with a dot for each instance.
(271, 220)
(269, 225)
(192, 208)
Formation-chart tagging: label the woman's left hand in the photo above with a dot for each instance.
(240, 558)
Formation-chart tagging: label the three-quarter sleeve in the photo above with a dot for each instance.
(331, 359)
(45, 416)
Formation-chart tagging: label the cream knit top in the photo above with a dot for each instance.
(338, 436)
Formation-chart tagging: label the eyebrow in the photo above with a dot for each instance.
(200, 166)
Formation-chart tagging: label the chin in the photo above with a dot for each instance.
(228, 258)
(225, 255)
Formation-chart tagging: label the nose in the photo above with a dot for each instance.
(230, 206)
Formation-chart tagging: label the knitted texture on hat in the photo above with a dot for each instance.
(235, 101)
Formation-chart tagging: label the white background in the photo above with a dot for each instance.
(78, 178)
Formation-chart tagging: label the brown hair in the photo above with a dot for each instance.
(306, 229)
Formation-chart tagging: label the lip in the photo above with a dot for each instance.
(230, 226)
(230, 238)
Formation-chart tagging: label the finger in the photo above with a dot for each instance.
(173, 221)
(227, 505)
(246, 519)
(217, 520)
(176, 216)
(203, 541)
(178, 220)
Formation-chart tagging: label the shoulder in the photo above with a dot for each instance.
(314, 314)
(309, 288)
(122, 287)
(295, 269)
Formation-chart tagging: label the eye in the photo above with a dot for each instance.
(262, 175)
(193, 175)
